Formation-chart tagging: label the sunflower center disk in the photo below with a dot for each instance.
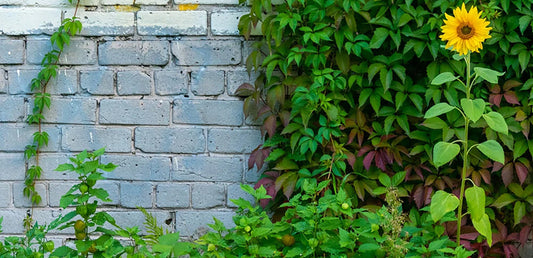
(465, 31)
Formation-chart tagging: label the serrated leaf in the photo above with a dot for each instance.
(443, 78)
(442, 203)
(487, 74)
(493, 150)
(438, 109)
(473, 108)
(444, 152)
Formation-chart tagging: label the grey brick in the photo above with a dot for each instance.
(22, 201)
(106, 23)
(138, 112)
(13, 166)
(3, 81)
(79, 138)
(78, 52)
(6, 196)
(237, 77)
(57, 190)
(207, 82)
(36, 20)
(137, 167)
(11, 51)
(133, 83)
(170, 139)
(14, 215)
(214, 2)
(136, 218)
(133, 53)
(49, 162)
(235, 192)
(171, 82)
(12, 109)
(172, 23)
(203, 52)
(65, 83)
(98, 82)
(136, 194)
(225, 140)
(71, 111)
(190, 223)
(172, 195)
(208, 112)
(112, 188)
(206, 196)
(207, 168)
(226, 22)
(526, 250)
(20, 136)
(152, 2)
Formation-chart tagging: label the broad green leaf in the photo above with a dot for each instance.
(398, 178)
(65, 167)
(438, 109)
(493, 150)
(504, 200)
(380, 35)
(443, 78)
(519, 211)
(384, 180)
(496, 122)
(473, 108)
(487, 74)
(444, 152)
(475, 199)
(482, 226)
(442, 203)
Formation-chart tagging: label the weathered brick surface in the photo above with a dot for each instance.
(207, 168)
(204, 52)
(11, 51)
(155, 86)
(133, 53)
(235, 192)
(172, 22)
(170, 139)
(133, 83)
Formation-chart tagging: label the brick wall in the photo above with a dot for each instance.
(154, 85)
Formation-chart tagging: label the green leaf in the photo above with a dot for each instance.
(442, 203)
(66, 200)
(368, 247)
(65, 167)
(493, 150)
(475, 199)
(487, 74)
(482, 226)
(523, 59)
(443, 78)
(444, 152)
(519, 211)
(496, 122)
(384, 180)
(438, 109)
(473, 108)
(398, 178)
(504, 200)
(380, 35)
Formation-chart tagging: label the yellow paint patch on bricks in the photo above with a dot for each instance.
(187, 7)
(127, 8)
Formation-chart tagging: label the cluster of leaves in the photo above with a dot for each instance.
(342, 93)
(42, 100)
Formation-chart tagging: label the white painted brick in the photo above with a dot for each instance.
(226, 23)
(11, 2)
(232, 2)
(117, 2)
(172, 22)
(105, 23)
(23, 21)
(152, 2)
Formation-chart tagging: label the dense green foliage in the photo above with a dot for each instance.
(343, 92)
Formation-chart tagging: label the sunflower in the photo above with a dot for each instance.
(465, 31)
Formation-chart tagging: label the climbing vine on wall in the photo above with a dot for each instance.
(42, 101)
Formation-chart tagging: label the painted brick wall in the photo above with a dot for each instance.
(154, 85)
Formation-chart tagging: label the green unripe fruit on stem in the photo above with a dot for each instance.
(91, 182)
(345, 206)
(247, 229)
(288, 240)
(84, 188)
(211, 247)
(48, 246)
(79, 226)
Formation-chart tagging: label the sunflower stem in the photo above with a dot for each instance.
(465, 155)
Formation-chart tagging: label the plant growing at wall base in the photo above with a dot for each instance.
(42, 100)
(465, 34)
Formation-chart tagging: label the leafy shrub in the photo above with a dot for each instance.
(343, 89)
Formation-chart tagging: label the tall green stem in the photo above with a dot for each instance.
(466, 163)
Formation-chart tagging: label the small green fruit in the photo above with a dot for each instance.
(48, 246)
(37, 255)
(80, 235)
(247, 229)
(345, 206)
(79, 226)
(288, 240)
(82, 210)
(211, 247)
(91, 182)
(84, 188)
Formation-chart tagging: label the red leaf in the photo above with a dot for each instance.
(524, 234)
(495, 99)
(245, 90)
(351, 159)
(476, 177)
(418, 196)
(379, 160)
(285, 117)
(521, 172)
(511, 98)
(525, 128)
(497, 166)
(495, 88)
(351, 136)
(252, 158)
(270, 125)
(427, 195)
(507, 174)
(485, 174)
(367, 161)
(364, 150)
(511, 84)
